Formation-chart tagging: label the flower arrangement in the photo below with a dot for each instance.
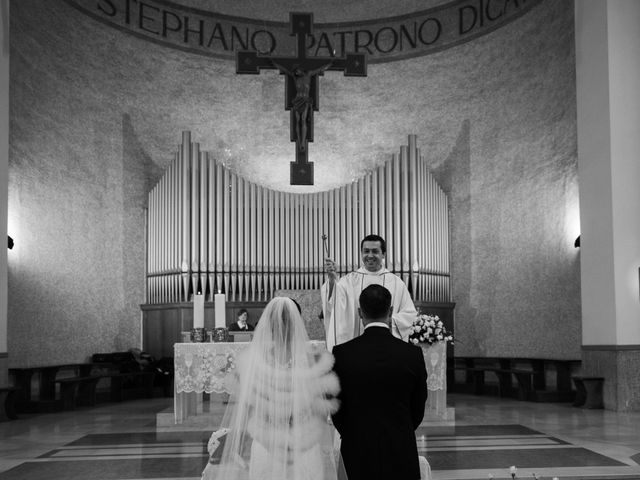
(429, 329)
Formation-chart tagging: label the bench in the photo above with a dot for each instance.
(475, 369)
(530, 375)
(78, 387)
(506, 389)
(135, 361)
(76, 391)
(47, 375)
(588, 392)
(121, 380)
(8, 396)
(474, 380)
(81, 391)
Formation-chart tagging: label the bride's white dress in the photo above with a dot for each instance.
(298, 447)
(309, 467)
(277, 423)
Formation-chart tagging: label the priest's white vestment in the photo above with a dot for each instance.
(340, 310)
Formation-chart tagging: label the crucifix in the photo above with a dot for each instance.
(301, 88)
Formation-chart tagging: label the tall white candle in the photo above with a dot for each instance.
(219, 300)
(198, 310)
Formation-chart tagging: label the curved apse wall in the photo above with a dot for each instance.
(96, 114)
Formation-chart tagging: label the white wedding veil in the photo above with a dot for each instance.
(278, 418)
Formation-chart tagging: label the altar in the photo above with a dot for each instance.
(208, 368)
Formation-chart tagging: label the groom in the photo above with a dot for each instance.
(383, 382)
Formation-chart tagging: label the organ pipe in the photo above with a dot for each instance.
(209, 229)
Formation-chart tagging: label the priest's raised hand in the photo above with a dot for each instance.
(340, 296)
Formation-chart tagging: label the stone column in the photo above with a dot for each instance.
(608, 125)
(4, 179)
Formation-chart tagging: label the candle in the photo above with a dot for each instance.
(219, 301)
(198, 310)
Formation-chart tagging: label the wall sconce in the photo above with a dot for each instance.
(577, 242)
(10, 245)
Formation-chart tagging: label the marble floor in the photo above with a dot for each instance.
(121, 441)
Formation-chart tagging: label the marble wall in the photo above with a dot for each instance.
(619, 367)
(96, 115)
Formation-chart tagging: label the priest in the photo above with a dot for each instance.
(340, 296)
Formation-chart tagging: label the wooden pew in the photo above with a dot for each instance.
(118, 391)
(530, 375)
(76, 391)
(81, 391)
(475, 369)
(8, 396)
(47, 375)
(78, 382)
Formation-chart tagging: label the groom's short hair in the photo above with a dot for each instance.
(375, 302)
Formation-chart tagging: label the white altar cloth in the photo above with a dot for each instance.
(207, 368)
(435, 359)
(211, 368)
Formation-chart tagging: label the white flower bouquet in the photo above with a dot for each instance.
(429, 329)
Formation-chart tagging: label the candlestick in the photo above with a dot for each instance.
(198, 310)
(219, 300)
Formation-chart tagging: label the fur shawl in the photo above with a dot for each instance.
(294, 401)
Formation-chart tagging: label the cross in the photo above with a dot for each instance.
(301, 88)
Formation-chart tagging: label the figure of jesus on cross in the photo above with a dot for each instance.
(302, 101)
(301, 88)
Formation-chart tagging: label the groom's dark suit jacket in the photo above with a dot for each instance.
(383, 391)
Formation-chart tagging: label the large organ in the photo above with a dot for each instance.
(210, 230)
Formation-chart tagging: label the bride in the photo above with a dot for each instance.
(276, 427)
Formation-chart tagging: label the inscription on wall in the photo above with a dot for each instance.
(384, 40)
